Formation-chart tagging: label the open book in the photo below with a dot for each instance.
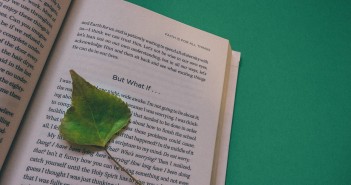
(178, 81)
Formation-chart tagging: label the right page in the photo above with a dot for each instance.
(172, 77)
(225, 123)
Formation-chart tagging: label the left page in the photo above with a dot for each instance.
(28, 30)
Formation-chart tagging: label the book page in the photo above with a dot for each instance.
(225, 124)
(171, 75)
(27, 31)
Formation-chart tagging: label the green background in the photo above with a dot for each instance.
(292, 119)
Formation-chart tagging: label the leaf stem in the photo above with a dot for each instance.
(123, 169)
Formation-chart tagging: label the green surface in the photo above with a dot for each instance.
(292, 121)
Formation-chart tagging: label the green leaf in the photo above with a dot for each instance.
(94, 116)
